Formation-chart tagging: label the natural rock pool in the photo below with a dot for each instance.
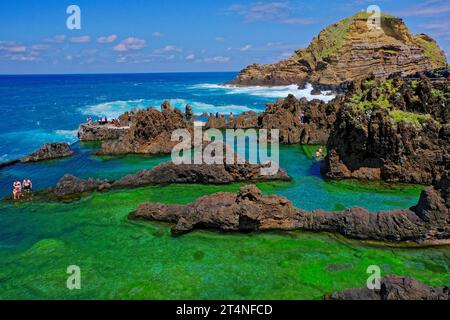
(127, 259)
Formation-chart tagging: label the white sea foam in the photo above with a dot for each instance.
(269, 92)
(115, 108)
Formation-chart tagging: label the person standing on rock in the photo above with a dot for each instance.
(17, 190)
(27, 185)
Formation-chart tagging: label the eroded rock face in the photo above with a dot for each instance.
(70, 185)
(150, 132)
(299, 121)
(249, 210)
(374, 147)
(350, 51)
(96, 132)
(395, 288)
(49, 151)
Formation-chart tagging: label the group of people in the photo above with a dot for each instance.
(21, 189)
(103, 121)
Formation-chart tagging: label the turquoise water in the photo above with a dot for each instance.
(122, 259)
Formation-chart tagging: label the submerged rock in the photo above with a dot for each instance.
(395, 288)
(249, 210)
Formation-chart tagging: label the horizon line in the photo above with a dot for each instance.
(110, 73)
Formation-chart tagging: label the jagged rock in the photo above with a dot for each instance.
(170, 172)
(97, 132)
(395, 288)
(49, 151)
(70, 185)
(249, 210)
(286, 116)
(150, 132)
(350, 50)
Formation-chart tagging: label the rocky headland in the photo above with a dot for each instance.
(350, 50)
(394, 288)
(251, 211)
(48, 151)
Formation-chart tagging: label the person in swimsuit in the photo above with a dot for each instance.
(27, 185)
(17, 190)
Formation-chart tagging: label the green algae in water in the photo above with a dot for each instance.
(122, 259)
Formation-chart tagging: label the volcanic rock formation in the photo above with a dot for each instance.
(350, 50)
(249, 210)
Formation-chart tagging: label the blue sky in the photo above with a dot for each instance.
(181, 35)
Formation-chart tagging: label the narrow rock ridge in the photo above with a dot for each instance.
(250, 211)
(167, 173)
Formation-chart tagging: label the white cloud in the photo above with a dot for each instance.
(81, 39)
(277, 11)
(12, 47)
(157, 34)
(130, 43)
(56, 39)
(40, 47)
(107, 39)
(168, 48)
(428, 8)
(246, 48)
(190, 57)
(217, 59)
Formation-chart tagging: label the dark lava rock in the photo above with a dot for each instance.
(49, 151)
(395, 288)
(70, 185)
(249, 210)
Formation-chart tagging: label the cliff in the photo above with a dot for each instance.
(349, 51)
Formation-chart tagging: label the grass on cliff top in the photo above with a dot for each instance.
(432, 51)
(332, 38)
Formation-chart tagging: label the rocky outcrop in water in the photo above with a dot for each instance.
(396, 131)
(167, 173)
(395, 288)
(150, 132)
(350, 50)
(48, 151)
(249, 210)
(299, 121)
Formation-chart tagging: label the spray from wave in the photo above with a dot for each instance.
(269, 92)
(115, 108)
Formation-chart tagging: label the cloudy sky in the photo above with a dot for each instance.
(181, 35)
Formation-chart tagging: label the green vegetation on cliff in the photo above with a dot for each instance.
(432, 51)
